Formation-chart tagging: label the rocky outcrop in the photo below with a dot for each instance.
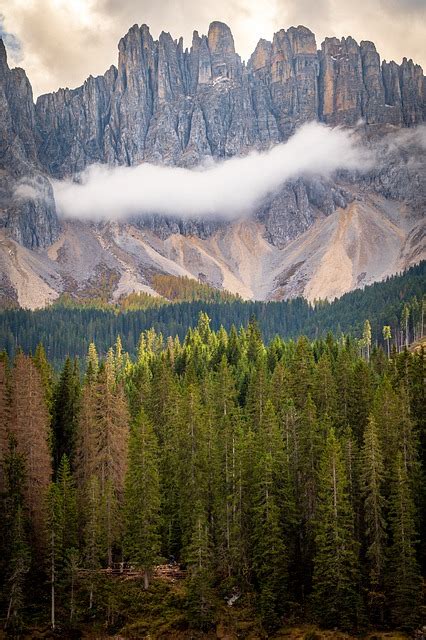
(353, 86)
(27, 207)
(18, 149)
(71, 125)
(30, 215)
(342, 89)
(175, 106)
(166, 104)
(352, 247)
(392, 87)
(412, 92)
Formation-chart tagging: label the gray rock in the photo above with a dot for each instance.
(167, 105)
(374, 105)
(342, 89)
(27, 207)
(31, 214)
(393, 100)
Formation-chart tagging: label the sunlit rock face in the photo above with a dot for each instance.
(170, 105)
(167, 104)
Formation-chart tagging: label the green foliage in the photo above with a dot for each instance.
(16, 549)
(184, 289)
(270, 557)
(65, 407)
(201, 599)
(68, 329)
(336, 565)
(372, 479)
(264, 474)
(142, 497)
(62, 538)
(404, 573)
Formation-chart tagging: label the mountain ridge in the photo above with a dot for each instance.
(166, 105)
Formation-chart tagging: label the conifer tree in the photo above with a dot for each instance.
(92, 363)
(268, 548)
(65, 412)
(366, 339)
(161, 397)
(85, 449)
(5, 416)
(92, 542)
(269, 552)
(46, 373)
(324, 388)
(17, 552)
(360, 399)
(68, 506)
(225, 468)
(255, 348)
(257, 393)
(336, 571)
(19, 564)
(310, 441)
(372, 478)
(138, 384)
(403, 572)
(53, 525)
(142, 498)
(343, 372)
(119, 359)
(62, 536)
(408, 439)
(404, 321)
(30, 428)
(164, 407)
(387, 336)
(192, 459)
(101, 459)
(385, 411)
(351, 459)
(111, 434)
(302, 369)
(234, 350)
(273, 521)
(198, 558)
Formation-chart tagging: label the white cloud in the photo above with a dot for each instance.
(227, 189)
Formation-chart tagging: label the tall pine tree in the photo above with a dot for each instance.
(336, 569)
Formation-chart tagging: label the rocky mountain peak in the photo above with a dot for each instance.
(3, 58)
(220, 38)
(164, 104)
(261, 56)
(302, 41)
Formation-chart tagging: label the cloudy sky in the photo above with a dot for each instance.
(61, 42)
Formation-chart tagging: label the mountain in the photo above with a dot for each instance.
(166, 105)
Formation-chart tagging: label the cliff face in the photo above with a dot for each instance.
(27, 206)
(164, 104)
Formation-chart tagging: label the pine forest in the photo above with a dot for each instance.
(213, 486)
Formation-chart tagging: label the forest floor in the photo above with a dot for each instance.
(161, 614)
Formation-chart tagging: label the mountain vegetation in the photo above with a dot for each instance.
(68, 327)
(277, 484)
(169, 289)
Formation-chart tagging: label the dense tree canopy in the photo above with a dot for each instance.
(67, 330)
(288, 475)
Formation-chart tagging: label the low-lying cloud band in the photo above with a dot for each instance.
(228, 189)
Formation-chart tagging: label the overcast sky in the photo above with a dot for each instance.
(60, 42)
